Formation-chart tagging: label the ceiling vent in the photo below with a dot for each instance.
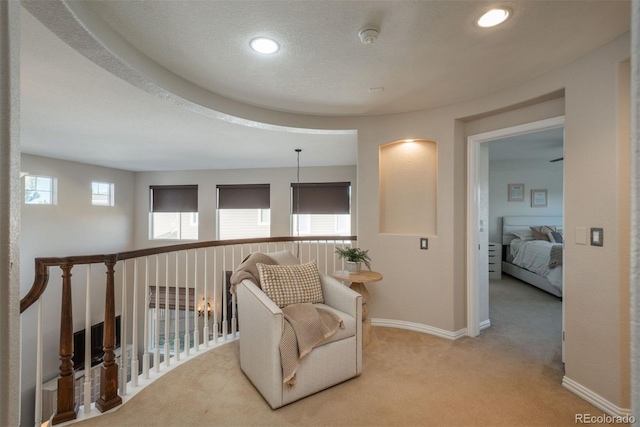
(368, 35)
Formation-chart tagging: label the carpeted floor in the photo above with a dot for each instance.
(509, 376)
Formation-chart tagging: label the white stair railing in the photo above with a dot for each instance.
(184, 314)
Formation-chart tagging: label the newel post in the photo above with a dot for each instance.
(109, 374)
(67, 409)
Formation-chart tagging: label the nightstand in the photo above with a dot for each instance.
(495, 261)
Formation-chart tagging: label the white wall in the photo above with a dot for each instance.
(71, 227)
(538, 174)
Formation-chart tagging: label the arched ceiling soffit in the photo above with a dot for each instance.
(86, 33)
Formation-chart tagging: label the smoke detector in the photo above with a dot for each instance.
(368, 35)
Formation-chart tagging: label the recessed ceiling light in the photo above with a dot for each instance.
(264, 45)
(493, 18)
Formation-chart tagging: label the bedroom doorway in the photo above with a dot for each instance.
(478, 218)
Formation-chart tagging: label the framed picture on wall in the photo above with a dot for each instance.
(516, 192)
(538, 198)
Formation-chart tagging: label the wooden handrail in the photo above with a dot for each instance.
(42, 264)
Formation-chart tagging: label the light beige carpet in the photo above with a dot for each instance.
(509, 376)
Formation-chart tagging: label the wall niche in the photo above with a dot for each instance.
(408, 187)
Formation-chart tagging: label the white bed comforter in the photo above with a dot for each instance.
(534, 256)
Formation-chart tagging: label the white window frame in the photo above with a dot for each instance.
(110, 194)
(180, 233)
(53, 189)
(343, 228)
(304, 222)
(261, 220)
(193, 219)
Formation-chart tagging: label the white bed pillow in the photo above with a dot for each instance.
(541, 232)
(524, 234)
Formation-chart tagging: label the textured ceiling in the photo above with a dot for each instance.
(428, 54)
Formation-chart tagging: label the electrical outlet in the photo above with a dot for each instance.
(424, 243)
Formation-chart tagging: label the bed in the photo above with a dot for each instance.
(530, 259)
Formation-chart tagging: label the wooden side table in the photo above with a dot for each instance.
(357, 281)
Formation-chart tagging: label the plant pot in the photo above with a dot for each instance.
(353, 267)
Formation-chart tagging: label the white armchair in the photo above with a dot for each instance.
(337, 359)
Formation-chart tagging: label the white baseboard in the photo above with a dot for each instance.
(593, 398)
(418, 327)
(426, 329)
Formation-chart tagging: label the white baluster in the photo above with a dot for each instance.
(38, 409)
(326, 257)
(123, 333)
(145, 338)
(134, 332)
(215, 296)
(176, 322)
(187, 337)
(205, 329)
(166, 313)
(333, 255)
(233, 306)
(196, 330)
(156, 312)
(87, 345)
(224, 293)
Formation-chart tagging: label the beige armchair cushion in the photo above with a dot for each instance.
(291, 284)
(284, 258)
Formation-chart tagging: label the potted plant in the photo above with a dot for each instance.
(354, 257)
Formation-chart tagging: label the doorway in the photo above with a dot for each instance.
(477, 218)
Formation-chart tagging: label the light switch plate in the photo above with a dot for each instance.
(581, 235)
(596, 237)
(424, 243)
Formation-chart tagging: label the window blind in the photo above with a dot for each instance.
(162, 300)
(174, 198)
(244, 196)
(321, 198)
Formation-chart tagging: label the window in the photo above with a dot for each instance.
(321, 209)
(102, 194)
(173, 212)
(166, 311)
(193, 219)
(169, 316)
(39, 190)
(264, 217)
(244, 211)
